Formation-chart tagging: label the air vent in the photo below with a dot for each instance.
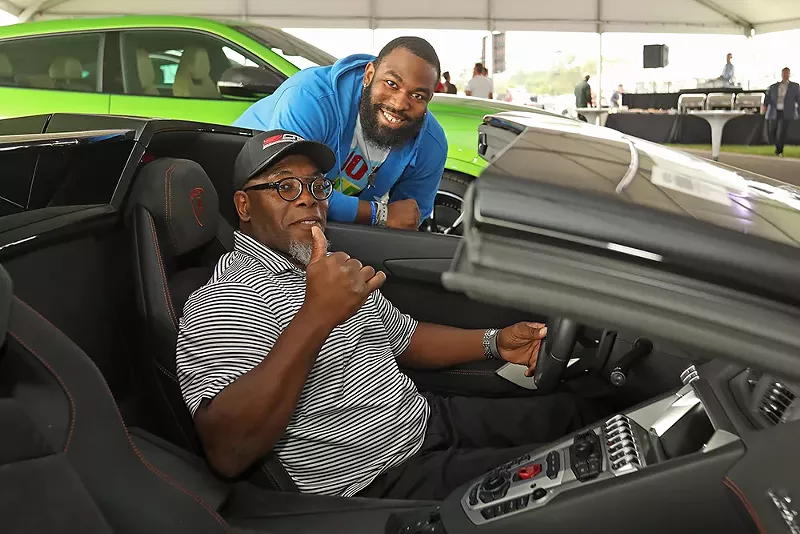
(775, 401)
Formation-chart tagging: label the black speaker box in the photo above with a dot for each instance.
(656, 56)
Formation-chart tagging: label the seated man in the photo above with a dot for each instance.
(291, 349)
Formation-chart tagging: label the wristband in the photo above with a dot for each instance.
(374, 206)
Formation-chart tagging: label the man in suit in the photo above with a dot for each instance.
(781, 108)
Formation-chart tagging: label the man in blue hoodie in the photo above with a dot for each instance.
(373, 113)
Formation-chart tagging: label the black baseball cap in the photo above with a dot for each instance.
(268, 148)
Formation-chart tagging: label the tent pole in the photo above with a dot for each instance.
(600, 54)
(600, 73)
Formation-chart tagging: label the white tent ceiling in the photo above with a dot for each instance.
(653, 16)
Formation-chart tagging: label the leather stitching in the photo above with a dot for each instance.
(731, 485)
(277, 479)
(147, 464)
(467, 372)
(168, 201)
(172, 376)
(72, 410)
(271, 477)
(164, 286)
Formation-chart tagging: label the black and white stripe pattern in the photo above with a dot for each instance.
(357, 416)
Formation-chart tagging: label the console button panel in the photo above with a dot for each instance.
(586, 456)
(616, 447)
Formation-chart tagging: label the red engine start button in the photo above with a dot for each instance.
(529, 471)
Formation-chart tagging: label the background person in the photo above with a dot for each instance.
(781, 108)
(449, 87)
(480, 85)
(373, 111)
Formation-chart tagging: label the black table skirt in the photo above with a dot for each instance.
(687, 129)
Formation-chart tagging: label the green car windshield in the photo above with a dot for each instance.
(296, 51)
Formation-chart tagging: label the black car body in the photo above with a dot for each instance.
(676, 279)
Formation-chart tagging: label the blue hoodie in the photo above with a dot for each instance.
(321, 104)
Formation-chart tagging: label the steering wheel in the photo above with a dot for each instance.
(555, 352)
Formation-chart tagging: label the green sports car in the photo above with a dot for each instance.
(195, 69)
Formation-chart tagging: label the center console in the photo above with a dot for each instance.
(622, 444)
(609, 472)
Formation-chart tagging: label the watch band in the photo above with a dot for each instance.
(490, 351)
(381, 214)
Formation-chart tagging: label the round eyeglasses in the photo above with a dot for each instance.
(291, 187)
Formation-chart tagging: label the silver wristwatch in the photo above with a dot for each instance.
(490, 351)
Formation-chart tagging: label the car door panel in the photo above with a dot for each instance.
(427, 270)
(21, 102)
(194, 109)
(414, 262)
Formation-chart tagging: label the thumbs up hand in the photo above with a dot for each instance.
(337, 285)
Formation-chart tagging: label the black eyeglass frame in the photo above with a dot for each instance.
(309, 185)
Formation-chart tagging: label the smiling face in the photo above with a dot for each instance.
(281, 225)
(395, 98)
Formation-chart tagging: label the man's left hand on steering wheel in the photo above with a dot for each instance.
(520, 343)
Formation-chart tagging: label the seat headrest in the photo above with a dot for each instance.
(6, 297)
(6, 70)
(144, 65)
(182, 201)
(197, 62)
(66, 68)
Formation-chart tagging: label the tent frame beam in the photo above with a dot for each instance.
(746, 25)
(38, 7)
(10, 7)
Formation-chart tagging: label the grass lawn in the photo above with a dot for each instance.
(758, 150)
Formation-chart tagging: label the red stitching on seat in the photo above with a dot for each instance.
(164, 286)
(739, 493)
(168, 200)
(199, 500)
(72, 410)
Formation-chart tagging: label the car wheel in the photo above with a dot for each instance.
(447, 208)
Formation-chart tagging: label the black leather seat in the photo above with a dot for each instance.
(172, 214)
(68, 463)
(178, 237)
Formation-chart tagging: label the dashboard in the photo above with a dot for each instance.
(669, 465)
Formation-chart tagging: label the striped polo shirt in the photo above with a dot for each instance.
(358, 415)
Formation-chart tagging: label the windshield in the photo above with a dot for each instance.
(298, 52)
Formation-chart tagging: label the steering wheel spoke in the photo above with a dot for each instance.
(555, 353)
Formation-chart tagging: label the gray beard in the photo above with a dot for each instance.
(301, 252)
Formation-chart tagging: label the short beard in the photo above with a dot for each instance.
(301, 252)
(378, 134)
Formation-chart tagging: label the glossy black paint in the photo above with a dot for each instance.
(581, 186)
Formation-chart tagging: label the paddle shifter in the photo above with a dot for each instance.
(555, 352)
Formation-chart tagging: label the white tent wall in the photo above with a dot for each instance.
(659, 16)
